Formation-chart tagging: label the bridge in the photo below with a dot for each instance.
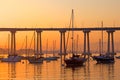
(58, 29)
(86, 31)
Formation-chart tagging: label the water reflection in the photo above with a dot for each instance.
(76, 73)
(90, 72)
(87, 70)
(105, 71)
(111, 72)
(54, 71)
(11, 71)
(37, 71)
(26, 69)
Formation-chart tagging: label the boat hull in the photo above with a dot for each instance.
(75, 62)
(34, 60)
(51, 58)
(102, 59)
(11, 59)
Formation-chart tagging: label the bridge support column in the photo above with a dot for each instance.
(13, 44)
(39, 44)
(62, 43)
(110, 35)
(86, 43)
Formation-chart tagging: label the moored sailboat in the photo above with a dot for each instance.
(37, 58)
(75, 60)
(12, 56)
(106, 58)
(51, 57)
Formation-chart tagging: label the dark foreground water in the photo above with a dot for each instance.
(54, 71)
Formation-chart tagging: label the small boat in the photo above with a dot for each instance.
(11, 58)
(51, 58)
(75, 60)
(35, 60)
(118, 57)
(104, 59)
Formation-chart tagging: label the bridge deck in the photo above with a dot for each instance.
(58, 29)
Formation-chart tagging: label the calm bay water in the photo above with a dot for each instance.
(54, 71)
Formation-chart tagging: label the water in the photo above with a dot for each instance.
(54, 71)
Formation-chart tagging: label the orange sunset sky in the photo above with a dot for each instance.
(56, 13)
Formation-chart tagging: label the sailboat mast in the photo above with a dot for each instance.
(34, 42)
(102, 37)
(53, 47)
(72, 31)
(46, 47)
(8, 43)
(100, 46)
(77, 44)
(26, 46)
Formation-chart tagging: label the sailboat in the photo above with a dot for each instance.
(37, 58)
(11, 58)
(107, 58)
(51, 57)
(75, 60)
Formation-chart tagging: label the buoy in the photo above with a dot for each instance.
(62, 65)
(22, 62)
